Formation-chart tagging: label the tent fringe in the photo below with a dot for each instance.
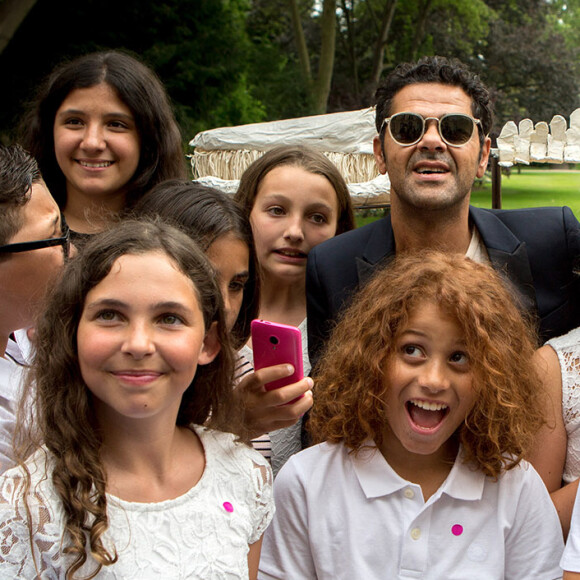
(355, 168)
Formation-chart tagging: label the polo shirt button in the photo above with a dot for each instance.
(416, 533)
(409, 493)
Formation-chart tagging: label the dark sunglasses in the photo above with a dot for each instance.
(63, 241)
(455, 129)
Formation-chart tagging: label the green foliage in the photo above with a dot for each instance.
(199, 48)
(273, 68)
(525, 50)
(459, 26)
(204, 63)
(529, 65)
(420, 27)
(231, 62)
(564, 19)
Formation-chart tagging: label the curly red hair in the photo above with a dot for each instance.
(500, 341)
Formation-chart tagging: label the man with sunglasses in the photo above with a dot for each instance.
(433, 118)
(34, 243)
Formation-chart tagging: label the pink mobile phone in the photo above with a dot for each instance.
(275, 344)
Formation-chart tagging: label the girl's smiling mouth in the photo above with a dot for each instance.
(94, 164)
(137, 378)
(426, 415)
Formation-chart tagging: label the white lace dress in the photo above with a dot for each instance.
(203, 534)
(567, 347)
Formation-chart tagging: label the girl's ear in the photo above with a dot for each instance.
(211, 345)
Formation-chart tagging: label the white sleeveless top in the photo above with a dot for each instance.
(567, 347)
(203, 534)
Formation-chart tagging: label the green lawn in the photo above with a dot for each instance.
(529, 188)
(534, 188)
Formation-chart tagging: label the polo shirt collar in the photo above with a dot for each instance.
(377, 478)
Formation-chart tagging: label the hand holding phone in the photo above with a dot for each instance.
(274, 344)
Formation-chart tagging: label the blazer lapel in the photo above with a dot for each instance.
(379, 250)
(508, 255)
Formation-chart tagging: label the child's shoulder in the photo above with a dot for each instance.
(316, 462)
(42, 501)
(223, 440)
(522, 480)
(232, 467)
(520, 474)
(39, 466)
(325, 451)
(223, 449)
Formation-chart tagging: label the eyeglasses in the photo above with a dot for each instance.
(63, 241)
(407, 129)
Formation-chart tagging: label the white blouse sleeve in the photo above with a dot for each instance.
(19, 558)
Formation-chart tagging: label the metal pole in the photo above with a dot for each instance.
(495, 183)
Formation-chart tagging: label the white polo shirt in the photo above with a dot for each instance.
(339, 516)
(571, 558)
(11, 380)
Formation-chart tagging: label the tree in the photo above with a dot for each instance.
(230, 62)
(12, 13)
(274, 68)
(529, 64)
(564, 17)
(386, 32)
(199, 48)
(317, 86)
(383, 36)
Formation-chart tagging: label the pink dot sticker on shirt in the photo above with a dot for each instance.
(228, 506)
(457, 529)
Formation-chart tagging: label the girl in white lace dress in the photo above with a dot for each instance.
(295, 199)
(127, 470)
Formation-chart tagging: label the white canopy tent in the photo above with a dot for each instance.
(221, 155)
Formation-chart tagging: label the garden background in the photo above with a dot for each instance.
(232, 62)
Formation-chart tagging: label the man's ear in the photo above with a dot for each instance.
(379, 156)
(484, 157)
(211, 346)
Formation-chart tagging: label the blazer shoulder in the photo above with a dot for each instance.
(524, 215)
(536, 225)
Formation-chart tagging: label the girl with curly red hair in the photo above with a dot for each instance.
(425, 403)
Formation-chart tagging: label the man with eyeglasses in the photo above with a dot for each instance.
(34, 243)
(433, 118)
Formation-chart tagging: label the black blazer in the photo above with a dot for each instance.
(536, 249)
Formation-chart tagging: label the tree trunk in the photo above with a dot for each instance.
(350, 40)
(301, 44)
(420, 27)
(379, 52)
(12, 13)
(326, 63)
